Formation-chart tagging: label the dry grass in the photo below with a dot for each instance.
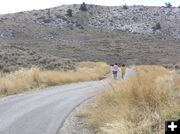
(138, 105)
(26, 79)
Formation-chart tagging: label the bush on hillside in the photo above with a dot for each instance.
(49, 13)
(41, 18)
(125, 6)
(168, 4)
(47, 20)
(69, 13)
(157, 26)
(35, 14)
(83, 7)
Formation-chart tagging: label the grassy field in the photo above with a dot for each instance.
(27, 79)
(137, 105)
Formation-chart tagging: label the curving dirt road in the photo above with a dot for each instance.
(44, 111)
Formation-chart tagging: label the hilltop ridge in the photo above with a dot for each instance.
(135, 19)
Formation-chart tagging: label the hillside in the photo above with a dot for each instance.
(50, 39)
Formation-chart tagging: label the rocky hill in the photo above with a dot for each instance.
(50, 38)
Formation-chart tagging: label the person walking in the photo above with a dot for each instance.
(123, 71)
(115, 70)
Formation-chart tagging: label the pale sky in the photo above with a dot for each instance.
(11, 6)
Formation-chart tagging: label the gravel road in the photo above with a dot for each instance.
(44, 111)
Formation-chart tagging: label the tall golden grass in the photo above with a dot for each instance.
(26, 79)
(139, 104)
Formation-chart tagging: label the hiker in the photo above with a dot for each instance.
(115, 70)
(123, 70)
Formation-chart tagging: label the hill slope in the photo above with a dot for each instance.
(50, 39)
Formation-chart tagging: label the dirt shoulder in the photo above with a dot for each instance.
(75, 123)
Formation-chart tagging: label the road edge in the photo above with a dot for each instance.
(75, 124)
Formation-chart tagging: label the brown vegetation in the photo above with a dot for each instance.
(26, 79)
(139, 104)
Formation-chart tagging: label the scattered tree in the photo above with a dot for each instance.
(168, 4)
(69, 13)
(49, 13)
(83, 7)
(157, 26)
(35, 14)
(125, 6)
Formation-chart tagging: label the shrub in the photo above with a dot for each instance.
(168, 4)
(125, 6)
(35, 14)
(58, 16)
(41, 18)
(157, 26)
(1, 66)
(6, 70)
(47, 20)
(78, 24)
(83, 7)
(49, 13)
(69, 13)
